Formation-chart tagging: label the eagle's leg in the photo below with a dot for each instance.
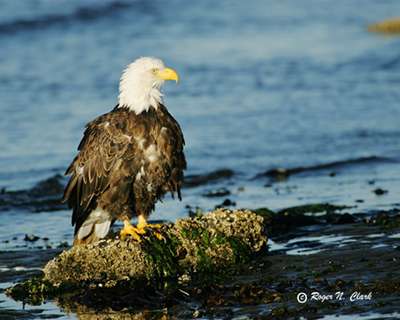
(142, 225)
(129, 229)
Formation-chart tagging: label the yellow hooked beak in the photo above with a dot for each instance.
(167, 74)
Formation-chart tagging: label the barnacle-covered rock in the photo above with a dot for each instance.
(202, 244)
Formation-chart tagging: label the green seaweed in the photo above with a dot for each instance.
(312, 208)
(386, 220)
(33, 291)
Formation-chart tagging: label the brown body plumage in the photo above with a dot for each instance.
(126, 162)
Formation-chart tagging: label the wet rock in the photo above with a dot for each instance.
(194, 211)
(32, 291)
(201, 245)
(344, 218)
(380, 191)
(221, 192)
(52, 186)
(313, 208)
(226, 203)
(31, 238)
(201, 179)
(45, 196)
(63, 244)
(284, 173)
(291, 218)
(386, 219)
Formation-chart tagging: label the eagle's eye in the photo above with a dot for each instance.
(154, 70)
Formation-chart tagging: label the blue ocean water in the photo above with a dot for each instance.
(265, 84)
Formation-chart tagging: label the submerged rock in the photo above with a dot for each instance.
(221, 192)
(196, 180)
(283, 173)
(380, 191)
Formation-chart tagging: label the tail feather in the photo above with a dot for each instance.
(91, 238)
(96, 233)
(94, 228)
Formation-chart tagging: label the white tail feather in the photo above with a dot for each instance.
(98, 222)
(101, 229)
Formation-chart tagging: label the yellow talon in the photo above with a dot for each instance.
(134, 232)
(142, 224)
(158, 235)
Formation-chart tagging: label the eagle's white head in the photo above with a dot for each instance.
(140, 84)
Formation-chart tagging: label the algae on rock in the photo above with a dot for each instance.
(202, 244)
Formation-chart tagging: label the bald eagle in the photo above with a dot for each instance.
(128, 158)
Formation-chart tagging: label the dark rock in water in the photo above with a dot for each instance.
(226, 203)
(63, 244)
(344, 218)
(288, 219)
(45, 196)
(31, 238)
(49, 187)
(201, 179)
(221, 192)
(313, 208)
(37, 288)
(194, 211)
(284, 173)
(386, 219)
(380, 191)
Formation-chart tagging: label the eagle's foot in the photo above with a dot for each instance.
(142, 224)
(134, 232)
(154, 228)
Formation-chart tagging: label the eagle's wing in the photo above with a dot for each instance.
(103, 145)
(172, 142)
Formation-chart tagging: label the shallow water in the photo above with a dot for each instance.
(265, 84)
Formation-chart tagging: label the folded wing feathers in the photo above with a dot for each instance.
(90, 170)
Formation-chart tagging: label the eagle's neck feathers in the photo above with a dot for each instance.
(139, 101)
(137, 92)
